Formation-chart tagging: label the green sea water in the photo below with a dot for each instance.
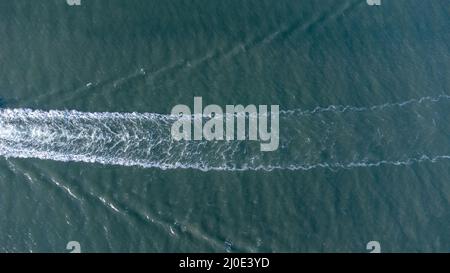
(364, 155)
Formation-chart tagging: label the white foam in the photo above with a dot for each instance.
(143, 139)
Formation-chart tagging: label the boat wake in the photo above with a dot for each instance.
(333, 137)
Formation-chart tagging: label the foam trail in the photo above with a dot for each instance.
(403, 133)
(350, 108)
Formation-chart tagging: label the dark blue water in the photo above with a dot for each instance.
(364, 134)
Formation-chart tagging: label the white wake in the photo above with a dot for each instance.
(333, 137)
